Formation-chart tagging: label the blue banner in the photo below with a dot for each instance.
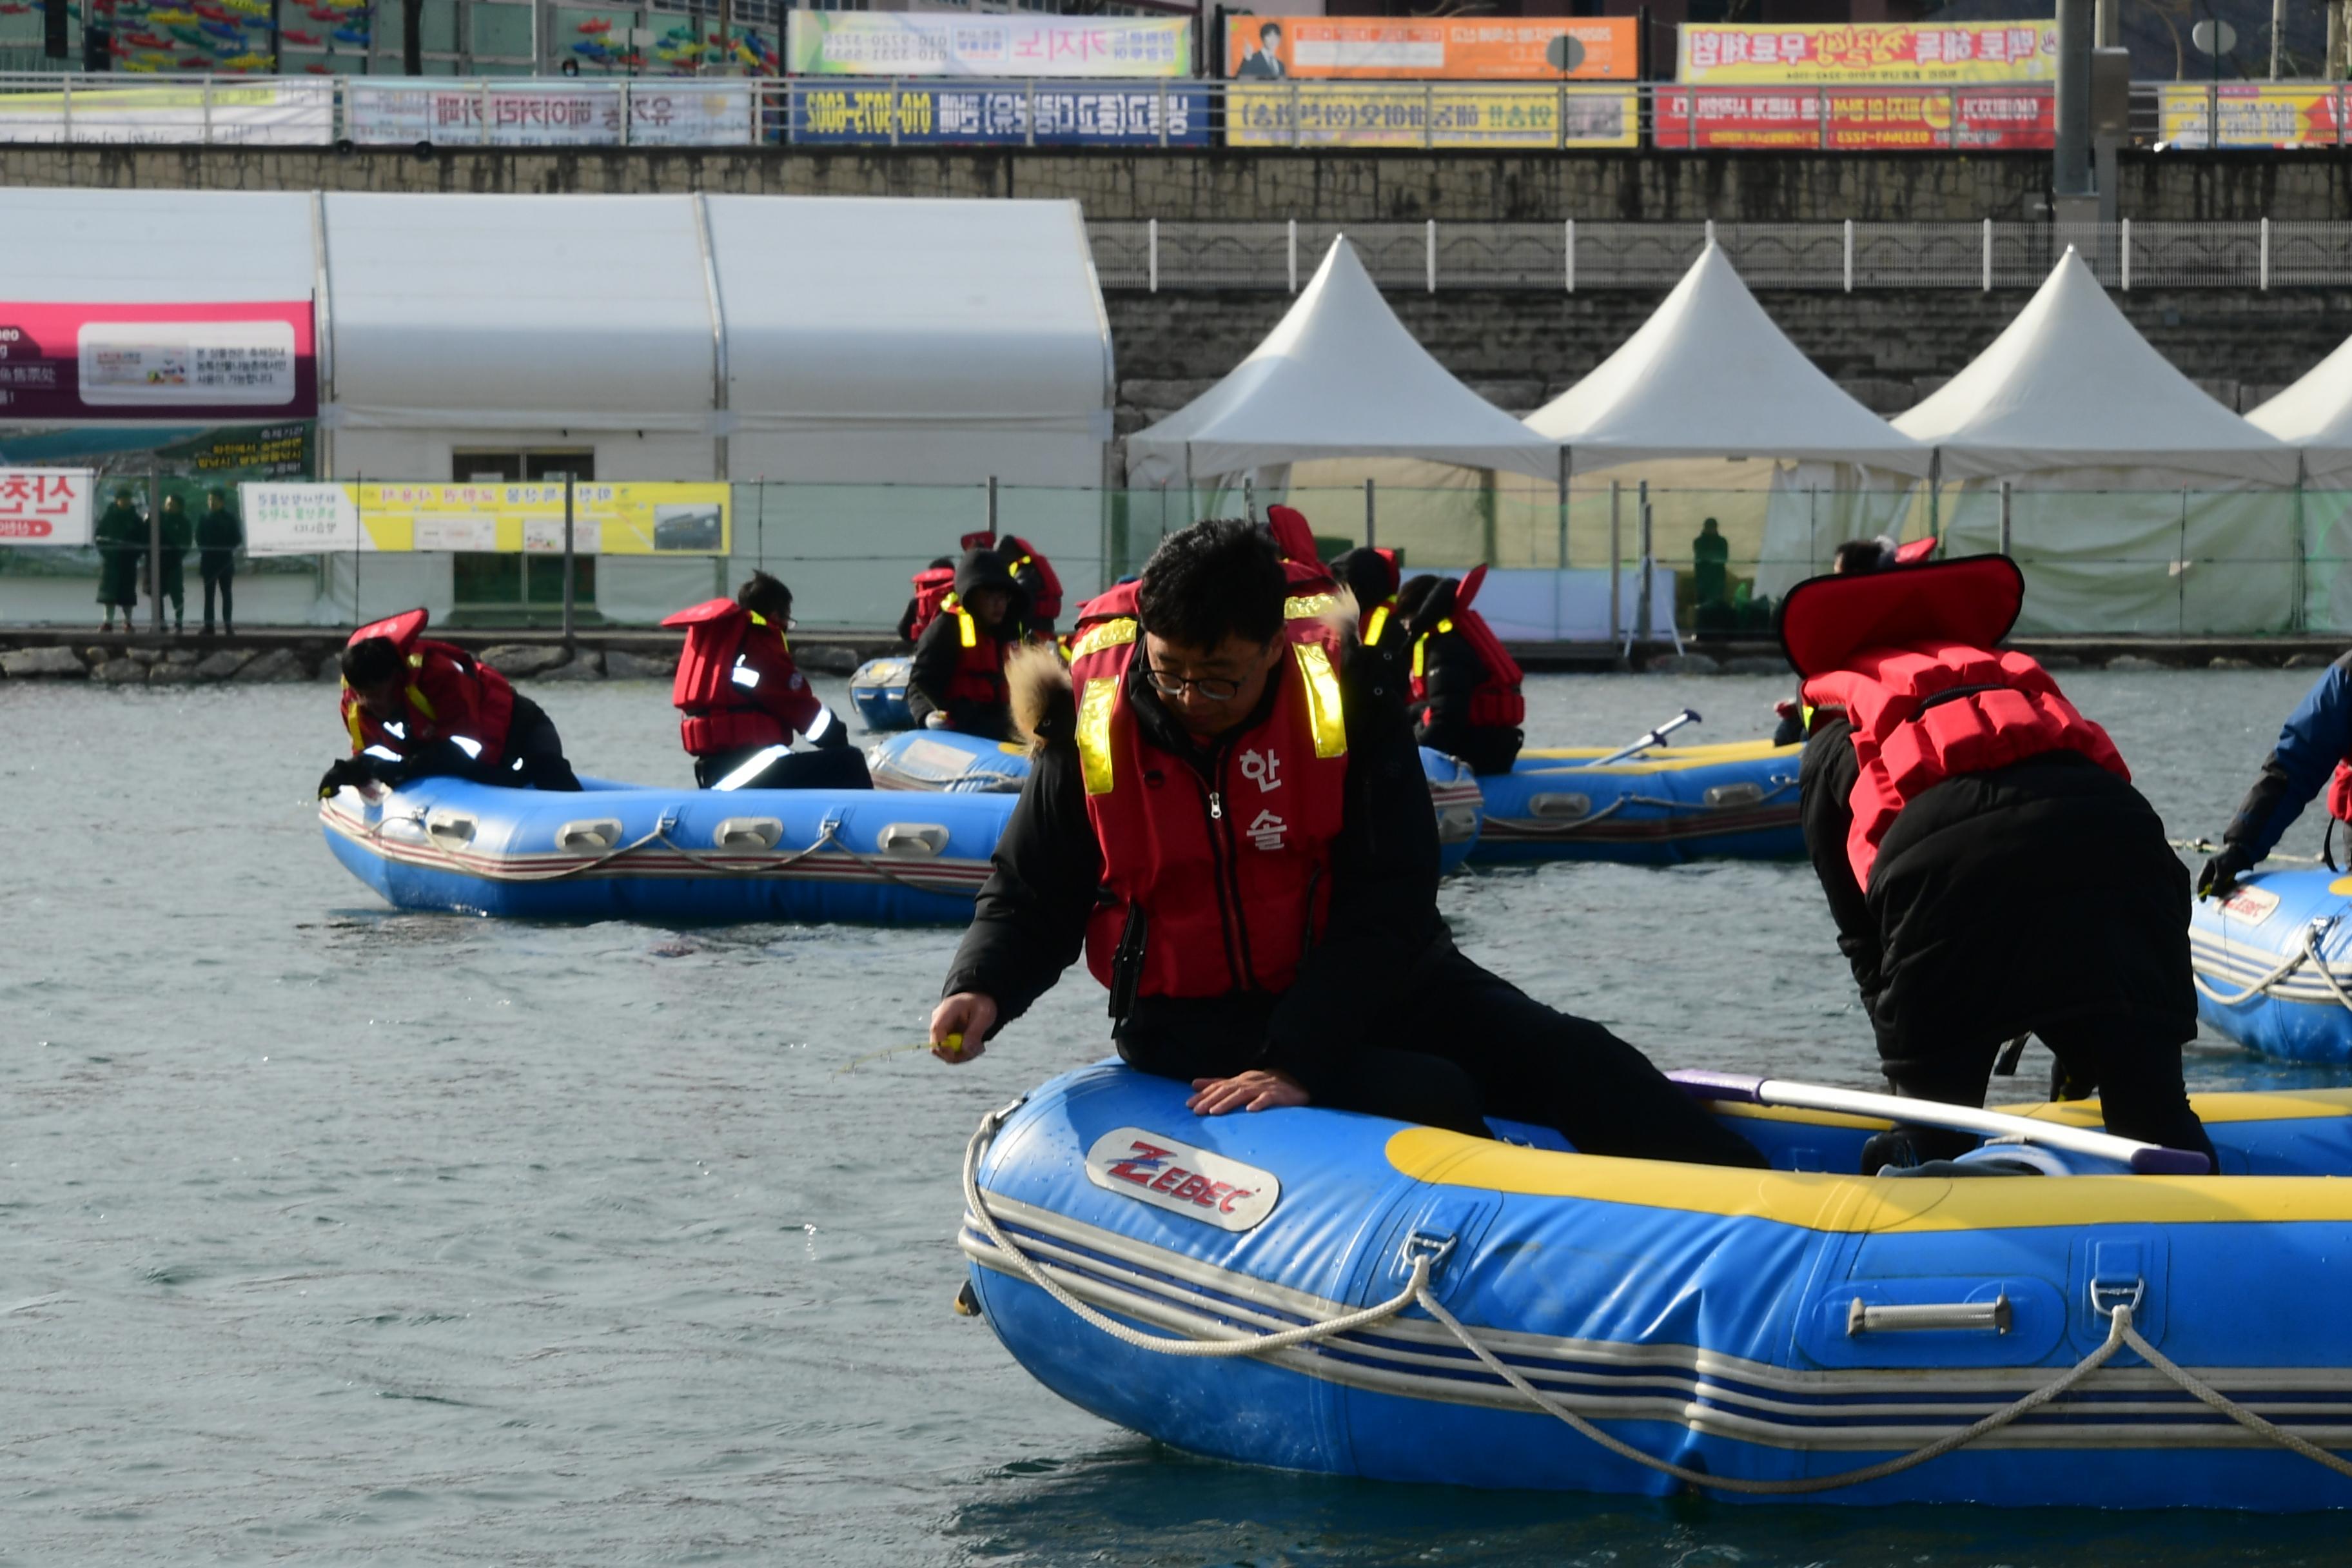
(943, 114)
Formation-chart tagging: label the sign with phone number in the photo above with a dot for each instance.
(1000, 116)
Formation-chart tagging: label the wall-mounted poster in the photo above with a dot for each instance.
(1458, 49)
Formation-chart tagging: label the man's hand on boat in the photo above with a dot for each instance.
(1256, 1089)
(959, 1025)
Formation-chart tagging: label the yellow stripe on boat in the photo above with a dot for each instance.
(1659, 759)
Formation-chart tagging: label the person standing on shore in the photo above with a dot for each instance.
(122, 539)
(176, 534)
(218, 533)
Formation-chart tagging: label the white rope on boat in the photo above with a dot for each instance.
(2293, 962)
(2121, 1335)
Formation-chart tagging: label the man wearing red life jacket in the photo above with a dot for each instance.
(933, 583)
(742, 698)
(415, 708)
(1040, 584)
(957, 678)
(1237, 834)
(1466, 688)
(1990, 869)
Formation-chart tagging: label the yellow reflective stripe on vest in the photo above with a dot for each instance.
(1373, 622)
(1323, 715)
(1110, 634)
(1094, 732)
(416, 696)
(1313, 607)
(967, 627)
(1420, 644)
(352, 719)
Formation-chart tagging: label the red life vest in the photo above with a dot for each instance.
(723, 712)
(980, 672)
(450, 696)
(1028, 566)
(2339, 793)
(1497, 701)
(932, 586)
(1925, 713)
(1232, 875)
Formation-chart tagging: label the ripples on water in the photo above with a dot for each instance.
(347, 1235)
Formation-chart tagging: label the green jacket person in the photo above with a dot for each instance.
(176, 531)
(121, 540)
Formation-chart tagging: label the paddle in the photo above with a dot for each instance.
(1687, 716)
(2147, 1159)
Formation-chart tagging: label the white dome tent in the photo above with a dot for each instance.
(2139, 503)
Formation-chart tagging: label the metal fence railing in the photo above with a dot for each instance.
(1581, 255)
(594, 108)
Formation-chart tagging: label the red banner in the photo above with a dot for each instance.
(212, 362)
(1857, 119)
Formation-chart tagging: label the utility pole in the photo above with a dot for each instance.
(2073, 200)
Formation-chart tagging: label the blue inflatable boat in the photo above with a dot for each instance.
(1667, 805)
(944, 759)
(877, 689)
(1407, 1304)
(2274, 962)
(617, 851)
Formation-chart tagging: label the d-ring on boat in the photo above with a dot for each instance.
(1324, 1291)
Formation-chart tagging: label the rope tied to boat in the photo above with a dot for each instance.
(2121, 1336)
(2312, 931)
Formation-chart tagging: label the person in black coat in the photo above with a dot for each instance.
(1446, 684)
(1383, 1016)
(2037, 897)
(957, 680)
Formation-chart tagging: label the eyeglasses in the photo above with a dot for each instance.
(1210, 689)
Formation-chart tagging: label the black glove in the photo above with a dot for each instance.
(353, 771)
(835, 735)
(2221, 872)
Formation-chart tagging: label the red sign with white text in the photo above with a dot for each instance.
(218, 361)
(1857, 119)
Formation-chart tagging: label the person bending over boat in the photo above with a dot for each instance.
(1990, 869)
(1040, 585)
(1466, 688)
(742, 698)
(420, 709)
(1235, 830)
(957, 681)
(2314, 750)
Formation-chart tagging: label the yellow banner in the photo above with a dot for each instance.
(2250, 114)
(1870, 52)
(621, 519)
(1328, 115)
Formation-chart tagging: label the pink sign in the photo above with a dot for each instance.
(214, 361)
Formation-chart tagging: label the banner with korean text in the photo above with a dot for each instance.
(1095, 114)
(217, 113)
(616, 519)
(1869, 52)
(1459, 48)
(1856, 119)
(2250, 114)
(1330, 115)
(45, 506)
(486, 113)
(76, 363)
(932, 43)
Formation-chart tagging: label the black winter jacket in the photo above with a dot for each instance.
(1031, 921)
(2003, 901)
(1451, 671)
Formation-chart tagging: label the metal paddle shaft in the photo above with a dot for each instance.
(2147, 1159)
(1687, 716)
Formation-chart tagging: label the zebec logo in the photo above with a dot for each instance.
(1174, 1176)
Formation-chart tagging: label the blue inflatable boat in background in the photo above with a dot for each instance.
(2274, 964)
(1667, 805)
(877, 689)
(1791, 1330)
(944, 759)
(621, 852)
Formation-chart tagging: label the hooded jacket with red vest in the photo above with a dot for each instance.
(450, 696)
(1906, 656)
(957, 669)
(737, 683)
(1036, 577)
(1497, 701)
(1216, 879)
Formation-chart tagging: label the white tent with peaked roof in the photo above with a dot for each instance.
(2070, 384)
(1338, 377)
(1709, 376)
(2137, 502)
(2314, 416)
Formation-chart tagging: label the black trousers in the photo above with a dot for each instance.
(2138, 1082)
(1463, 1045)
(224, 580)
(534, 753)
(838, 767)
